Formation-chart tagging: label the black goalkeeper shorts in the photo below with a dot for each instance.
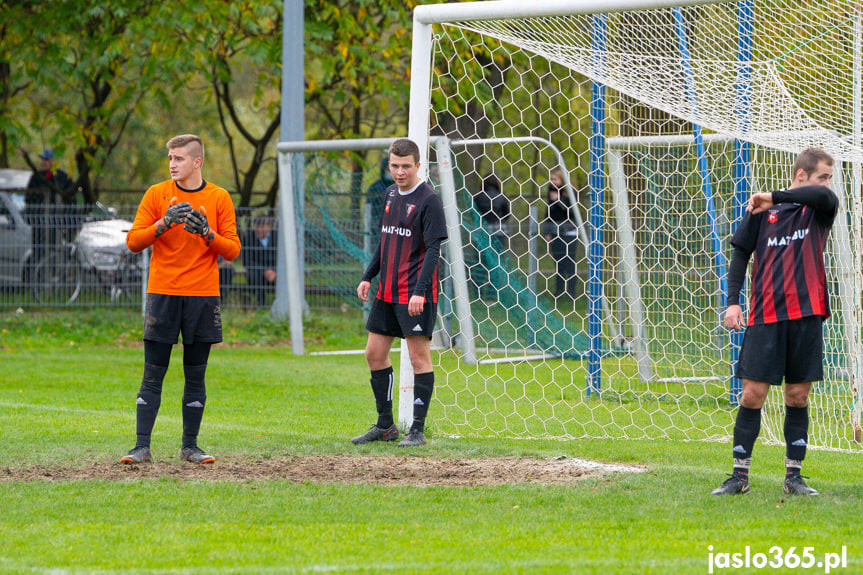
(392, 319)
(198, 318)
(792, 349)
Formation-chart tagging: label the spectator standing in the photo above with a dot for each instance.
(376, 195)
(561, 234)
(226, 277)
(47, 187)
(259, 257)
(494, 208)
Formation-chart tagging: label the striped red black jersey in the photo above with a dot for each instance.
(788, 240)
(410, 222)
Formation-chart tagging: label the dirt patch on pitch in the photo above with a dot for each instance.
(380, 470)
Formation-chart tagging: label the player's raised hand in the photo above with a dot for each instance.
(760, 202)
(176, 213)
(734, 317)
(196, 223)
(363, 290)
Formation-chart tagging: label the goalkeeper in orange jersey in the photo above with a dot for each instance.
(189, 223)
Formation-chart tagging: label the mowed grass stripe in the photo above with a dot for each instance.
(629, 524)
(660, 521)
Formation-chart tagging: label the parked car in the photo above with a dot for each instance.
(16, 236)
(11, 180)
(78, 249)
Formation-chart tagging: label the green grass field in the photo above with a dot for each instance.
(67, 400)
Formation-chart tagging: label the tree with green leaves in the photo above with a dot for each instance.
(92, 65)
(14, 46)
(357, 72)
(239, 56)
(89, 78)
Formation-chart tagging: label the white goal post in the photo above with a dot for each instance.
(669, 113)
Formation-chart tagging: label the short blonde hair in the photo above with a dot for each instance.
(185, 140)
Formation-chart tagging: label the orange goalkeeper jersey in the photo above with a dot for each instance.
(182, 263)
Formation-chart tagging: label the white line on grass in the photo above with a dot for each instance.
(600, 466)
(475, 566)
(348, 352)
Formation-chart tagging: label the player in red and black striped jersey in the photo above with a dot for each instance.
(412, 229)
(412, 222)
(787, 232)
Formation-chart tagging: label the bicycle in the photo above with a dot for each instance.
(96, 257)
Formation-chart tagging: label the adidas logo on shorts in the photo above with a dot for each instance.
(417, 328)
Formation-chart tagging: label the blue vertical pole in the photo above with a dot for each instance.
(596, 182)
(701, 152)
(745, 17)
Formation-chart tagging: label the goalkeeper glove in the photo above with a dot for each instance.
(176, 214)
(196, 223)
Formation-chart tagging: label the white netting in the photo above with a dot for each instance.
(665, 218)
(800, 75)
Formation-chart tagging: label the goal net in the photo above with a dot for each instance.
(662, 121)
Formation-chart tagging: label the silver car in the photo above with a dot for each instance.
(16, 236)
(68, 253)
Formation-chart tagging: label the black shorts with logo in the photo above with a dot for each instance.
(392, 319)
(198, 318)
(793, 349)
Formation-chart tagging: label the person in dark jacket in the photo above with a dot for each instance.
(47, 188)
(376, 195)
(493, 207)
(259, 254)
(48, 185)
(561, 234)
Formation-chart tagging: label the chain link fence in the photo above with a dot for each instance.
(69, 257)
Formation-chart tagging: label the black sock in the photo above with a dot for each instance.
(746, 430)
(194, 399)
(796, 435)
(382, 387)
(148, 402)
(423, 387)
